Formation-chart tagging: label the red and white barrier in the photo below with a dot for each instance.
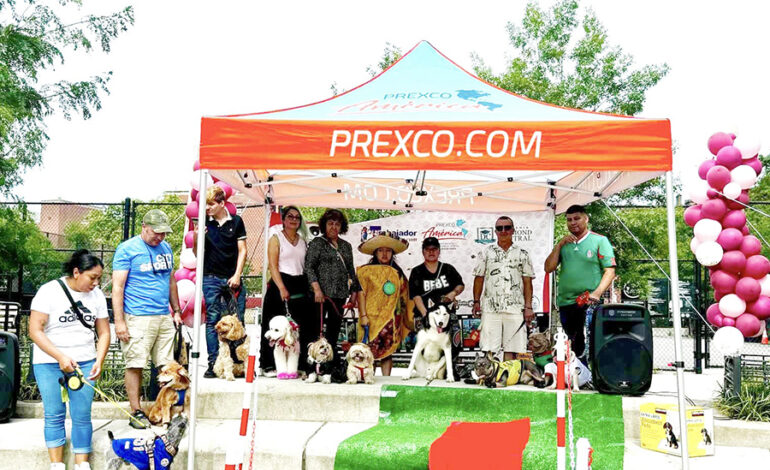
(561, 423)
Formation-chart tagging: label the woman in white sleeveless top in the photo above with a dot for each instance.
(288, 284)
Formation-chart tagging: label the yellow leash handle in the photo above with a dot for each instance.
(109, 400)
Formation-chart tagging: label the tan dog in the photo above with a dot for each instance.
(320, 355)
(233, 348)
(360, 364)
(539, 344)
(172, 398)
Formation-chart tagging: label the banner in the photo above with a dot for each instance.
(462, 236)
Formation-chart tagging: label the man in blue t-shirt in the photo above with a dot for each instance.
(142, 287)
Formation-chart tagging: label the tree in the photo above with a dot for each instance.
(34, 39)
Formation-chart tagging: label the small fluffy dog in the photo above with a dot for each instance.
(137, 451)
(706, 437)
(233, 348)
(172, 398)
(579, 374)
(432, 355)
(360, 364)
(320, 354)
(284, 339)
(671, 439)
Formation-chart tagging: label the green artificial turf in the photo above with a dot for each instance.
(417, 416)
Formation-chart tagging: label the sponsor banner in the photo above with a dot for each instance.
(644, 145)
(462, 236)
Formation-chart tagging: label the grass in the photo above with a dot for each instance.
(416, 416)
(752, 404)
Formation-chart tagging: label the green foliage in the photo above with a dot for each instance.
(34, 39)
(21, 241)
(752, 404)
(390, 56)
(552, 63)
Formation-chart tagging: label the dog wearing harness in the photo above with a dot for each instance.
(172, 398)
(233, 348)
(148, 453)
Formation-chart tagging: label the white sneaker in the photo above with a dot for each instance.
(58, 466)
(83, 466)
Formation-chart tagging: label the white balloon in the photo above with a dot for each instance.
(744, 176)
(732, 190)
(764, 283)
(694, 243)
(195, 180)
(748, 145)
(698, 192)
(732, 306)
(728, 340)
(188, 260)
(709, 253)
(707, 230)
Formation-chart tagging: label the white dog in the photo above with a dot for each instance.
(360, 364)
(432, 355)
(284, 338)
(579, 374)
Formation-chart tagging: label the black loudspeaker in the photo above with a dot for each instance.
(10, 374)
(621, 349)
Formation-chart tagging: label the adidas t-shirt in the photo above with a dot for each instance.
(63, 328)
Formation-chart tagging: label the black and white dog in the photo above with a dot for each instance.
(706, 437)
(432, 355)
(671, 439)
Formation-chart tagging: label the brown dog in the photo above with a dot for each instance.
(172, 398)
(233, 348)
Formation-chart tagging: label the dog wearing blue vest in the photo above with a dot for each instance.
(172, 398)
(148, 453)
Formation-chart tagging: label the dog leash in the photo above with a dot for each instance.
(77, 380)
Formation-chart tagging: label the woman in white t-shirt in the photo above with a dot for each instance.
(64, 342)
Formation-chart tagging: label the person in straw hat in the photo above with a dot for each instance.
(384, 298)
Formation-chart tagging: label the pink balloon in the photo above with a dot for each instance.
(718, 177)
(226, 188)
(719, 140)
(727, 321)
(194, 194)
(713, 209)
(748, 289)
(757, 266)
(750, 246)
(188, 313)
(183, 273)
(733, 261)
(730, 239)
(712, 194)
(745, 230)
(692, 215)
(719, 294)
(713, 315)
(755, 164)
(762, 328)
(729, 157)
(704, 168)
(732, 136)
(744, 197)
(748, 324)
(196, 165)
(760, 308)
(723, 281)
(230, 208)
(188, 239)
(735, 219)
(191, 211)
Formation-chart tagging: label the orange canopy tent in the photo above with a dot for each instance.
(427, 135)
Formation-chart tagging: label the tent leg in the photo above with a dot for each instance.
(679, 364)
(197, 323)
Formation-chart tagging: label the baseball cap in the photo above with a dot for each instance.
(430, 241)
(157, 220)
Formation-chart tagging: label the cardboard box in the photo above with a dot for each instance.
(660, 429)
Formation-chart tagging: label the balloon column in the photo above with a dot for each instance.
(739, 272)
(185, 276)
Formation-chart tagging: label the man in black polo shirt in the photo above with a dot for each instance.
(223, 261)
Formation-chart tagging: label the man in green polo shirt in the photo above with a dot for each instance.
(587, 264)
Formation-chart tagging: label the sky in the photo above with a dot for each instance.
(184, 60)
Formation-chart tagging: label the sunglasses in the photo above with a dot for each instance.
(293, 217)
(503, 228)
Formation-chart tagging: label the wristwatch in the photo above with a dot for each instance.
(178, 310)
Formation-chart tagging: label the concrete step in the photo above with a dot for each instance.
(278, 444)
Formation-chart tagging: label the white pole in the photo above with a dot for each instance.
(197, 318)
(679, 364)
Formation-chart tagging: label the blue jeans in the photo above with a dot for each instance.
(47, 377)
(216, 306)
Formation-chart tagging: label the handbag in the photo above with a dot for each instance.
(76, 310)
(181, 348)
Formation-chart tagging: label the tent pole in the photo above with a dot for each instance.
(197, 319)
(679, 364)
